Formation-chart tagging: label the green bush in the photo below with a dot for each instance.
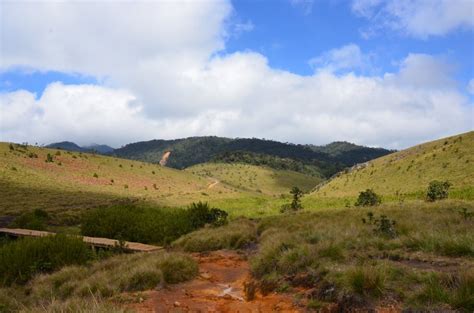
(368, 198)
(437, 190)
(32, 220)
(147, 224)
(23, 258)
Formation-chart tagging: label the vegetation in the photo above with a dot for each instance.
(267, 160)
(83, 288)
(334, 258)
(236, 235)
(149, 224)
(437, 190)
(368, 198)
(64, 191)
(194, 150)
(252, 178)
(22, 259)
(404, 174)
(37, 220)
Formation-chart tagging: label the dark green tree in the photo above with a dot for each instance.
(368, 198)
(296, 202)
(437, 190)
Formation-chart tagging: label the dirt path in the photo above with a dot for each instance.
(218, 288)
(211, 185)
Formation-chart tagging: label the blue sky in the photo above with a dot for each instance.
(289, 35)
(203, 65)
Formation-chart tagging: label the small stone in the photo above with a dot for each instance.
(176, 304)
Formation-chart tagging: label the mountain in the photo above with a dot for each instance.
(66, 145)
(194, 150)
(102, 149)
(349, 153)
(409, 171)
(71, 146)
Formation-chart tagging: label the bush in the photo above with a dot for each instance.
(32, 220)
(368, 198)
(23, 258)
(149, 225)
(437, 190)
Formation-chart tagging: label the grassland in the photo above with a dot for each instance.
(74, 181)
(253, 178)
(406, 174)
(426, 261)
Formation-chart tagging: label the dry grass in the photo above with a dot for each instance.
(406, 174)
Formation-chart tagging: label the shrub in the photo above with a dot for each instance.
(437, 190)
(147, 224)
(23, 258)
(49, 158)
(368, 198)
(32, 220)
(95, 175)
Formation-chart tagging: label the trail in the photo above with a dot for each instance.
(218, 288)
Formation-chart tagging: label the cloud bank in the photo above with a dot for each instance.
(165, 74)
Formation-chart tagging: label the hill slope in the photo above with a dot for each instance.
(409, 171)
(74, 180)
(194, 150)
(260, 179)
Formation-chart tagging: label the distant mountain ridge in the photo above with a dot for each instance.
(186, 152)
(71, 146)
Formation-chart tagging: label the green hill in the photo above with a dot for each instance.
(408, 172)
(194, 150)
(75, 180)
(253, 178)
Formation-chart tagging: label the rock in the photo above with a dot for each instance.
(177, 304)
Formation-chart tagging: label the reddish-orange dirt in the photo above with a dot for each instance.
(219, 287)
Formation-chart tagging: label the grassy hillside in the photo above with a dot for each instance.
(259, 179)
(408, 172)
(74, 180)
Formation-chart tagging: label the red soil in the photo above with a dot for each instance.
(218, 288)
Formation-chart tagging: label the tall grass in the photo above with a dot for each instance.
(106, 278)
(23, 258)
(235, 235)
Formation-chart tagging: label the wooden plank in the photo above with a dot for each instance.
(93, 241)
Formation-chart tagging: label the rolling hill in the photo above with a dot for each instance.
(194, 150)
(76, 180)
(254, 178)
(408, 172)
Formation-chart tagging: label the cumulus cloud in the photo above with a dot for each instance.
(166, 76)
(305, 5)
(417, 18)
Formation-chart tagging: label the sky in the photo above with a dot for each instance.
(389, 73)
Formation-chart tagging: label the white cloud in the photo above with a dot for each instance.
(348, 57)
(305, 5)
(470, 86)
(164, 78)
(417, 18)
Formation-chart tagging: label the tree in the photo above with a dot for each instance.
(368, 198)
(296, 202)
(437, 190)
